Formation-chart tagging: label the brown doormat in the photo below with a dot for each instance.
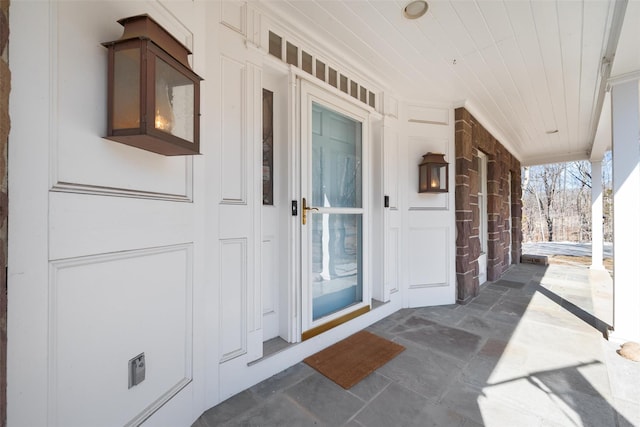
(349, 361)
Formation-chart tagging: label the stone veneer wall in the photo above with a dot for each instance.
(5, 86)
(471, 137)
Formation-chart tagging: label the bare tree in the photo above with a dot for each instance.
(549, 179)
(557, 201)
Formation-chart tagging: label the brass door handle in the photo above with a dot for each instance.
(305, 208)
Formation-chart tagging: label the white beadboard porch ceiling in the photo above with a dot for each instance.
(531, 71)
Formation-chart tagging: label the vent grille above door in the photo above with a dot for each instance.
(286, 51)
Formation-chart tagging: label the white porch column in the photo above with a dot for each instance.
(596, 216)
(626, 200)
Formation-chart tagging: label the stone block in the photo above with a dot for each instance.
(465, 287)
(464, 215)
(462, 114)
(535, 259)
(462, 264)
(474, 247)
(463, 229)
(462, 251)
(462, 180)
(462, 198)
(476, 216)
(4, 31)
(474, 184)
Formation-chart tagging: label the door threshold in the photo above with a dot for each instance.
(335, 322)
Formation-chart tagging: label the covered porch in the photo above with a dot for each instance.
(119, 255)
(529, 350)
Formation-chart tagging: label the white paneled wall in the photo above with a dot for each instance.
(107, 254)
(428, 220)
(118, 251)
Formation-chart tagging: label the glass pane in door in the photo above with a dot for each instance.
(336, 240)
(337, 261)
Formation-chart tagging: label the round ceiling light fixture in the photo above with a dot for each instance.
(416, 9)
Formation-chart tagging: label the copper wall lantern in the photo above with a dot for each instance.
(433, 174)
(153, 95)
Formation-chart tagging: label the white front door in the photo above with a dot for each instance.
(334, 214)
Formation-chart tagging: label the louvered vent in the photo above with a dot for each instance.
(291, 54)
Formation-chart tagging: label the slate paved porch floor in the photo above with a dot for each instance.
(528, 351)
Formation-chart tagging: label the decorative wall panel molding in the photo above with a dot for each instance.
(269, 263)
(392, 260)
(102, 303)
(233, 142)
(234, 16)
(427, 115)
(429, 257)
(233, 298)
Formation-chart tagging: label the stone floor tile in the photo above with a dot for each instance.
(421, 370)
(463, 398)
(412, 323)
(623, 373)
(231, 408)
(326, 400)
(504, 282)
(485, 300)
(382, 326)
(485, 327)
(497, 413)
(471, 423)
(627, 413)
(454, 342)
(282, 380)
(531, 289)
(558, 318)
(562, 396)
(518, 298)
(513, 308)
(479, 369)
(370, 386)
(400, 315)
(200, 422)
(586, 410)
(397, 406)
(497, 287)
(280, 411)
(443, 314)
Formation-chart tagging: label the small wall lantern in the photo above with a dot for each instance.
(434, 174)
(153, 95)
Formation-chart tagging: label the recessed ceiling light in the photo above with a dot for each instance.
(415, 9)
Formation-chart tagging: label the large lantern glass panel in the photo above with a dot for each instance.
(126, 89)
(174, 101)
